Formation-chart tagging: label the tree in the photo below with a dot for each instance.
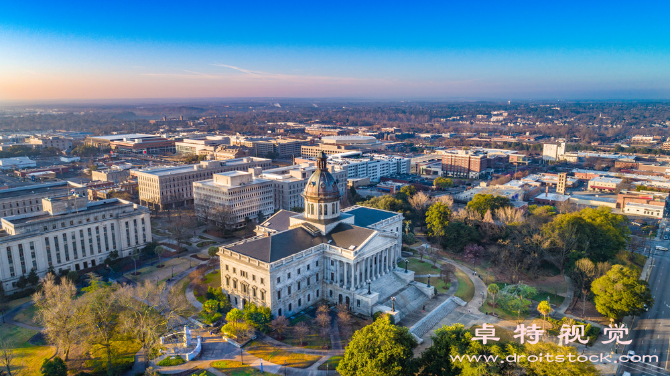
(212, 251)
(446, 271)
(458, 234)
(59, 313)
(344, 319)
(443, 183)
(279, 325)
(380, 348)
(100, 316)
(550, 369)
(323, 319)
(583, 275)
(436, 360)
(620, 293)
(544, 308)
(181, 228)
(493, 289)
(55, 367)
(261, 217)
(33, 278)
(149, 311)
(484, 202)
(258, 317)
(7, 355)
(301, 330)
(437, 218)
(159, 251)
(298, 209)
(409, 190)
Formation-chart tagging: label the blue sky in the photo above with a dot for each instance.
(395, 50)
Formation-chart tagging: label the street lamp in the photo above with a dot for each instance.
(428, 280)
(242, 355)
(393, 304)
(369, 283)
(406, 262)
(172, 271)
(284, 368)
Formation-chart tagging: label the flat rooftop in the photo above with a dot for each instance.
(16, 220)
(51, 188)
(115, 137)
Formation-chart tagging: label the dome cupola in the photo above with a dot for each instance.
(322, 195)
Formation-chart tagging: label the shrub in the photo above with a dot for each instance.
(171, 361)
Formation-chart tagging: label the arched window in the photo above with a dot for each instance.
(325, 209)
(319, 209)
(333, 208)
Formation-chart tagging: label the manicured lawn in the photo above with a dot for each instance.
(234, 368)
(332, 363)
(28, 358)
(153, 272)
(212, 279)
(505, 315)
(15, 303)
(554, 299)
(205, 243)
(122, 359)
(276, 355)
(439, 284)
(27, 316)
(466, 289)
(201, 372)
(313, 340)
(421, 267)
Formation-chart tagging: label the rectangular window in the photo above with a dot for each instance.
(57, 248)
(308, 280)
(83, 244)
(74, 246)
(10, 262)
(33, 256)
(298, 271)
(104, 231)
(90, 241)
(317, 263)
(298, 286)
(307, 266)
(22, 259)
(48, 249)
(278, 279)
(97, 238)
(127, 234)
(279, 295)
(289, 276)
(262, 281)
(67, 253)
(135, 229)
(317, 277)
(113, 236)
(289, 291)
(262, 296)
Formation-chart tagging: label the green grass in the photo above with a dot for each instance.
(28, 358)
(503, 314)
(212, 279)
(28, 316)
(439, 284)
(200, 372)
(554, 299)
(233, 368)
(15, 303)
(277, 355)
(204, 237)
(205, 243)
(171, 361)
(421, 267)
(332, 363)
(123, 357)
(466, 289)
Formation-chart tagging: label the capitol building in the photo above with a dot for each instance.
(345, 257)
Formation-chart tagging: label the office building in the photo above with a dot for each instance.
(28, 199)
(553, 152)
(465, 164)
(232, 197)
(69, 233)
(164, 187)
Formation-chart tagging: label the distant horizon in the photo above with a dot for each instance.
(462, 51)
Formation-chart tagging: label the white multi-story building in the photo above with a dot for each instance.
(373, 166)
(70, 233)
(553, 152)
(289, 182)
(324, 254)
(164, 187)
(232, 197)
(16, 162)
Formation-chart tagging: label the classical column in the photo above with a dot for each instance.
(337, 272)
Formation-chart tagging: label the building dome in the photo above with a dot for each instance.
(322, 195)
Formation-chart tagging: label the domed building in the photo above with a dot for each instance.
(342, 256)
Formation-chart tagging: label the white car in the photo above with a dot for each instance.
(631, 353)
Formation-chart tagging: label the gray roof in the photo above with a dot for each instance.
(280, 220)
(365, 217)
(283, 244)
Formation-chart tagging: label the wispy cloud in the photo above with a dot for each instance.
(254, 73)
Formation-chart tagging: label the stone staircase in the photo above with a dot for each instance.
(408, 299)
(433, 317)
(387, 286)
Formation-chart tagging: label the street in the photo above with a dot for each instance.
(650, 334)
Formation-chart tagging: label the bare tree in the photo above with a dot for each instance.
(57, 312)
(7, 355)
(223, 217)
(279, 325)
(509, 214)
(159, 251)
(636, 244)
(602, 268)
(447, 200)
(561, 243)
(181, 227)
(583, 274)
(446, 271)
(100, 316)
(344, 319)
(150, 310)
(323, 319)
(301, 330)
